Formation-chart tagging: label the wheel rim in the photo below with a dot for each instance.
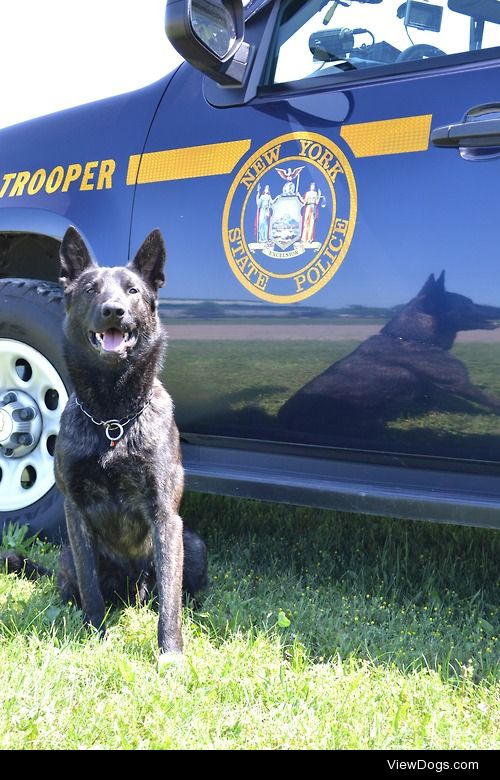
(28, 381)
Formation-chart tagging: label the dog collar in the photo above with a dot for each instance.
(114, 429)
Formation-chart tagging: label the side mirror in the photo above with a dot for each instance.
(209, 35)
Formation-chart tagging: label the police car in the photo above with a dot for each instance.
(325, 175)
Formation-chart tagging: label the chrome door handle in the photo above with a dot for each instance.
(480, 128)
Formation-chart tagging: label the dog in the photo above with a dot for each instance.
(407, 363)
(117, 457)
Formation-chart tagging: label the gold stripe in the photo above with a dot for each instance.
(133, 168)
(186, 163)
(390, 136)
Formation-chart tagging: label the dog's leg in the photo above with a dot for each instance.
(195, 575)
(168, 555)
(67, 581)
(473, 393)
(143, 587)
(84, 549)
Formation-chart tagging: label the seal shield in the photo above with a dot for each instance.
(289, 217)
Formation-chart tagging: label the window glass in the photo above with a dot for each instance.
(349, 35)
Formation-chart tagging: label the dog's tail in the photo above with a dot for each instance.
(15, 563)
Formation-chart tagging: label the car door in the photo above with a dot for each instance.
(333, 276)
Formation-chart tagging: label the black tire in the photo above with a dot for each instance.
(31, 313)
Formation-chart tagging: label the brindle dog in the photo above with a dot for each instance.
(117, 457)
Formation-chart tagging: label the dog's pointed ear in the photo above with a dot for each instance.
(149, 261)
(429, 286)
(440, 281)
(74, 256)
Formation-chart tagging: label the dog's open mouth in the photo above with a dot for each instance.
(113, 340)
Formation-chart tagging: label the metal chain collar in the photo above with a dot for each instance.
(114, 429)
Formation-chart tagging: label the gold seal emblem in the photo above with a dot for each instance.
(289, 217)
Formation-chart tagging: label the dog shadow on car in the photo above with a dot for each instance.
(407, 365)
(393, 389)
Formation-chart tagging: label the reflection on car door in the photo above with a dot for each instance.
(333, 277)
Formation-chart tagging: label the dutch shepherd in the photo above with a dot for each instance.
(117, 457)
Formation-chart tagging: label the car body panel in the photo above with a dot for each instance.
(76, 165)
(414, 218)
(332, 277)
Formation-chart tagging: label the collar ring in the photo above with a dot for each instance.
(110, 427)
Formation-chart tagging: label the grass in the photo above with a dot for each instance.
(243, 384)
(261, 372)
(319, 630)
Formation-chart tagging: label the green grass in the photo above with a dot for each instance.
(319, 630)
(221, 377)
(239, 386)
(225, 376)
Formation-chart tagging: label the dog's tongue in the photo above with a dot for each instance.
(112, 339)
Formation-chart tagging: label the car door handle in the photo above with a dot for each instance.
(480, 128)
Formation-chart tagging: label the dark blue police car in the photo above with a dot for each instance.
(325, 176)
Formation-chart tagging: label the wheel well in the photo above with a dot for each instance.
(29, 256)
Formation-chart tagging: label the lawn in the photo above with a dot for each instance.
(319, 630)
(237, 388)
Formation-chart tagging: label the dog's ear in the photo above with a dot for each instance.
(433, 287)
(440, 281)
(429, 286)
(150, 260)
(74, 256)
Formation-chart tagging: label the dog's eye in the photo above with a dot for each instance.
(133, 290)
(90, 290)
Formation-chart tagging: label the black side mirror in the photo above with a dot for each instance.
(209, 35)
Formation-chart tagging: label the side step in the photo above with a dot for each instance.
(367, 488)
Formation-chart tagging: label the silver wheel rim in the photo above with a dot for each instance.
(27, 472)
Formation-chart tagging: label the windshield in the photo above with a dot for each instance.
(345, 35)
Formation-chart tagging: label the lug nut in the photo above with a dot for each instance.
(9, 398)
(27, 413)
(26, 439)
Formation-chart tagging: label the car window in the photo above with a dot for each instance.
(341, 37)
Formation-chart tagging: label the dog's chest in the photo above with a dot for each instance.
(115, 493)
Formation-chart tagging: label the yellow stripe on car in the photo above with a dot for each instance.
(186, 163)
(388, 136)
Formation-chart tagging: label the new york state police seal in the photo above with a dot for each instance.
(289, 217)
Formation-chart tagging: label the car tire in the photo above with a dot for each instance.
(34, 384)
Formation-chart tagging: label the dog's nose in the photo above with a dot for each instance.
(111, 310)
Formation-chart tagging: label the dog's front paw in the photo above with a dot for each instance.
(170, 661)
